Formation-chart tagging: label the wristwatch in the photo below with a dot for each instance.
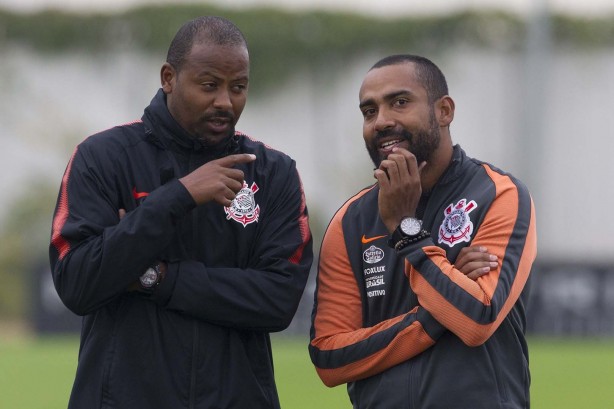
(409, 231)
(150, 279)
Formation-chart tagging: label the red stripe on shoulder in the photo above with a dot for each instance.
(303, 219)
(303, 224)
(61, 215)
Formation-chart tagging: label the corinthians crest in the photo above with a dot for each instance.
(244, 208)
(457, 226)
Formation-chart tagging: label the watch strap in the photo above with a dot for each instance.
(407, 240)
(396, 236)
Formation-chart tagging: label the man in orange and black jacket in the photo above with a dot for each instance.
(397, 315)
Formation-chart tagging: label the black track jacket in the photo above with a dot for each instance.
(235, 274)
(408, 330)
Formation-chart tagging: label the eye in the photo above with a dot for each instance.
(399, 102)
(239, 88)
(368, 112)
(209, 86)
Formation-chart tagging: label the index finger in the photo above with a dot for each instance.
(411, 161)
(231, 160)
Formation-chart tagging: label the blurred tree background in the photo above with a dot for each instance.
(280, 41)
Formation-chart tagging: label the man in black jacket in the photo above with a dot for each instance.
(182, 242)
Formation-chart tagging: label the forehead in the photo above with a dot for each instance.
(390, 79)
(218, 59)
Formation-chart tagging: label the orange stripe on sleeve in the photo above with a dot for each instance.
(408, 343)
(338, 323)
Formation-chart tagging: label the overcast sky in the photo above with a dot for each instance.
(380, 7)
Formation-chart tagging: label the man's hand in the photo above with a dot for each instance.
(400, 188)
(475, 261)
(217, 180)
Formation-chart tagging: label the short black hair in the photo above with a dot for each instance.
(429, 74)
(213, 29)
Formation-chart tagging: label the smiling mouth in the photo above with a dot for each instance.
(390, 144)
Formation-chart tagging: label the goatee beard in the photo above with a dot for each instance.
(422, 143)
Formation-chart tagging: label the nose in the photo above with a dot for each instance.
(383, 120)
(222, 100)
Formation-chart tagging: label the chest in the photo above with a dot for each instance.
(380, 273)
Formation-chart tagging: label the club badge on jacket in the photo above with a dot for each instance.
(244, 209)
(457, 227)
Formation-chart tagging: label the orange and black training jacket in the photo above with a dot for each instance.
(409, 330)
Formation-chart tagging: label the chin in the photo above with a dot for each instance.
(216, 139)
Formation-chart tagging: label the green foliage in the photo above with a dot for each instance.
(583, 33)
(282, 41)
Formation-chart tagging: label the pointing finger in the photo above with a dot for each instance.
(232, 160)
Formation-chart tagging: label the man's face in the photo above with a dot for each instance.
(207, 95)
(397, 112)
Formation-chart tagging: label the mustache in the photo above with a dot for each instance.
(219, 114)
(387, 133)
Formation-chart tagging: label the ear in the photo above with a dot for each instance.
(444, 110)
(168, 76)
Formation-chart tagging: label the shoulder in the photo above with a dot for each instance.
(119, 136)
(489, 184)
(249, 144)
(499, 178)
(361, 204)
(113, 144)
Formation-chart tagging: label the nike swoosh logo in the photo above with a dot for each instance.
(365, 240)
(138, 195)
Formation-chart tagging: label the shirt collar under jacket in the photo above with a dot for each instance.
(164, 130)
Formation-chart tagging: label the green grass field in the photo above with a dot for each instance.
(38, 373)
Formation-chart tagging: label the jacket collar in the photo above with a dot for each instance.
(455, 168)
(163, 130)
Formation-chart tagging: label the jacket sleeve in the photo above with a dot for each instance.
(473, 310)
(94, 256)
(266, 294)
(341, 349)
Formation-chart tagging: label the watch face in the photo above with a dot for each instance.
(149, 278)
(411, 226)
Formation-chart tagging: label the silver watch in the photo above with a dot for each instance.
(410, 226)
(150, 278)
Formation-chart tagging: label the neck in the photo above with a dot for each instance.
(438, 164)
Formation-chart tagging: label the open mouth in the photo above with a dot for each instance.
(218, 124)
(219, 121)
(389, 144)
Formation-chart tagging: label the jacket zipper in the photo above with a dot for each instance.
(196, 335)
